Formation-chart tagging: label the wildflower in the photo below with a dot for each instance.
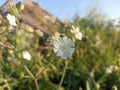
(26, 55)
(11, 19)
(51, 18)
(64, 47)
(108, 70)
(99, 43)
(77, 33)
(111, 68)
(54, 38)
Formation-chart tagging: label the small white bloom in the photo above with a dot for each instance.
(97, 37)
(26, 55)
(54, 38)
(11, 19)
(64, 47)
(51, 18)
(111, 68)
(99, 43)
(108, 70)
(77, 33)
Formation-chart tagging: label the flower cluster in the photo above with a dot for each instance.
(111, 68)
(64, 46)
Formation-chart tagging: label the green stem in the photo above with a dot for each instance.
(63, 75)
(7, 84)
(45, 68)
(16, 31)
(35, 80)
(36, 83)
(29, 72)
(102, 80)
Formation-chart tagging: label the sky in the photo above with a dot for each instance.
(66, 9)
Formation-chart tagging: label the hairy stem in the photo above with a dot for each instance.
(35, 80)
(63, 75)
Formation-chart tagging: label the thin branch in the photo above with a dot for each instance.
(5, 4)
(5, 46)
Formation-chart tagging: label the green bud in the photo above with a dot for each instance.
(38, 33)
(2, 29)
(28, 29)
(14, 10)
(97, 86)
(20, 6)
(114, 87)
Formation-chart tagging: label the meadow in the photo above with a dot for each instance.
(92, 64)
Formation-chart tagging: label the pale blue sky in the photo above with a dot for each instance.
(65, 9)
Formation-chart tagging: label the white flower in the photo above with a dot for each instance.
(108, 70)
(111, 68)
(26, 55)
(64, 47)
(54, 38)
(98, 43)
(51, 18)
(11, 19)
(77, 33)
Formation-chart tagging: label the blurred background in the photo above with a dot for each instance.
(66, 9)
(95, 65)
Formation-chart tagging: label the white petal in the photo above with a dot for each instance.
(26, 55)
(56, 50)
(78, 36)
(11, 19)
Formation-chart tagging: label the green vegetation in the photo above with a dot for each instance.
(95, 64)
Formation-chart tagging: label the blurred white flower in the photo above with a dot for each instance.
(77, 33)
(99, 43)
(11, 19)
(111, 68)
(97, 38)
(108, 70)
(26, 55)
(51, 18)
(114, 87)
(64, 47)
(54, 38)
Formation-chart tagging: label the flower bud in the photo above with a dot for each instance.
(20, 6)
(2, 29)
(97, 86)
(114, 87)
(28, 29)
(38, 33)
(14, 10)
